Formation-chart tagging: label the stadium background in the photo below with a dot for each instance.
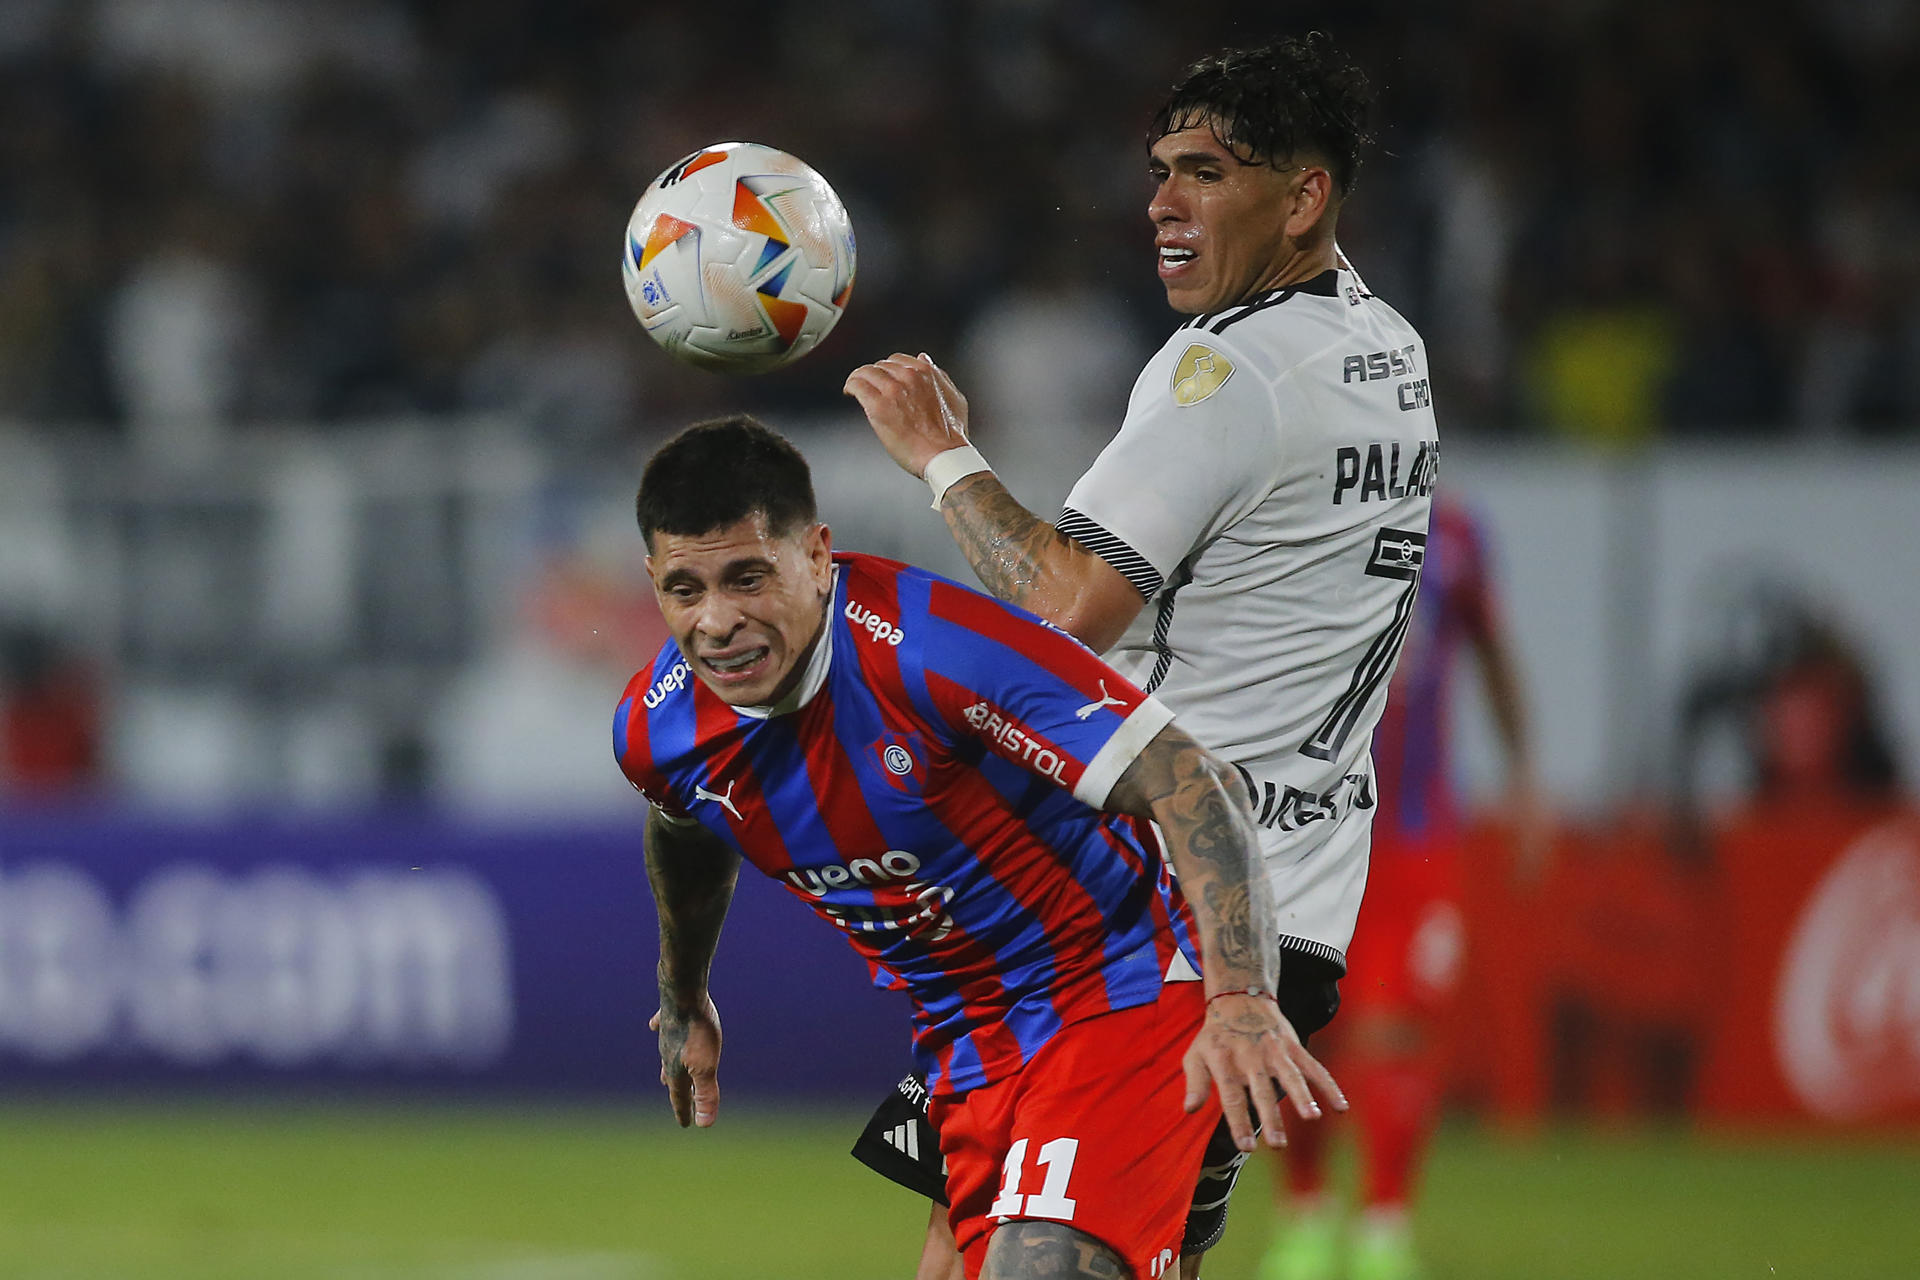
(324, 949)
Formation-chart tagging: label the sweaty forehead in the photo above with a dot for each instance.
(1196, 142)
(713, 550)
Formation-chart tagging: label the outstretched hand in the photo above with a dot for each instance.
(690, 1063)
(1247, 1049)
(913, 406)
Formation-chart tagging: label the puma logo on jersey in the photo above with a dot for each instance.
(1200, 372)
(1106, 700)
(724, 800)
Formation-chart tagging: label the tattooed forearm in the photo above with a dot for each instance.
(693, 875)
(1017, 556)
(1232, 909)
(1211, 839)
(1033, 1250)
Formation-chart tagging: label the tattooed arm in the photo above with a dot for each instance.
(1023, 560)
(1245, 1044)
(918, 413)
(692, 873)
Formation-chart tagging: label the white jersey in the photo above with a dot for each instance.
(1268, 495)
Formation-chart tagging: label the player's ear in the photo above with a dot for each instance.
(1312, 201)
(818, 542)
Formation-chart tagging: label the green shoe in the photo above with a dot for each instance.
(1308, 1248)
(1382, 1254)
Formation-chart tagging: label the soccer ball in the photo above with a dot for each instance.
(739, 258)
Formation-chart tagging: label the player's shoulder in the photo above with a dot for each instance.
(1277, 328)
(871, 585)
(667, 677)
(652, 690)
(1193, 376)
(865, 570)
(1226, 355)
(940, 612)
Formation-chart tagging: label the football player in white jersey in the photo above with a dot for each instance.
(1248, 545)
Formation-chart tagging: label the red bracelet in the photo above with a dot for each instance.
(1250, 991)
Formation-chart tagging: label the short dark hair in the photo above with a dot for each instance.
(722, 470)
(1267, 104)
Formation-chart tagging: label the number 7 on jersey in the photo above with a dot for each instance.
(1397, 553)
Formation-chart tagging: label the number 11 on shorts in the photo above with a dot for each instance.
(1051, 1201)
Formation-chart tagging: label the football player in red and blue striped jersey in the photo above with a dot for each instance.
(965, 792)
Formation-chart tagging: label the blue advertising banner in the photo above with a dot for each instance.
(396, 951)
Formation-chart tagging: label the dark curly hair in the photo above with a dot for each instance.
(1269, 103)
(723, 470)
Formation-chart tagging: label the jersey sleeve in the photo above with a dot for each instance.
(631, 750)
(1199, 449)
(1033, 694)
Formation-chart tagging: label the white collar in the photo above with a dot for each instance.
(819, 662)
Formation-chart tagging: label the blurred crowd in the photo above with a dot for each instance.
(1616, 221)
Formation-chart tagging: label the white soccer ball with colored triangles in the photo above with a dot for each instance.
(739, 258)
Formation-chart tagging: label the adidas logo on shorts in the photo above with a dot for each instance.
(902, 1138)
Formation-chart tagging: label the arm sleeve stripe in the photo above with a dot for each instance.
(1104, 770)
(1130, 563)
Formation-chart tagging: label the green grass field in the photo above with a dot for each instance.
(450, 1193)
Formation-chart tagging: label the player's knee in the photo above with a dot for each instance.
(1032, 1249)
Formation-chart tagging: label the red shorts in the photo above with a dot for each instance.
(1090, 1133)
(1410, 943)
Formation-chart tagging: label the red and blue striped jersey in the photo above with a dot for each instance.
(936, 799)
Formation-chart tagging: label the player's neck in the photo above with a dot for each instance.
(1303, 262)
(809, 672)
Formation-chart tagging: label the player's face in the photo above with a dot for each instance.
(1220, 226)
(744, 605)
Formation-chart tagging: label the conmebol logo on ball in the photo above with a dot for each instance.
(1847, 1011)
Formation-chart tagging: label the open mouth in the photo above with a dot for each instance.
(736, 665)
(1172, 258)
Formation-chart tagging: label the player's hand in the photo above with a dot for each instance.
(913, 407)
(1245, 1050)
(690, 1062)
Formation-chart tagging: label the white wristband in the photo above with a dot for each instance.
(947, 469)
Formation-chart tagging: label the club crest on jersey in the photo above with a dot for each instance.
(900, 757)
(1398, 553)
(1201, 372)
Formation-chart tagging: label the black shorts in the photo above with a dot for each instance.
(899, 1144)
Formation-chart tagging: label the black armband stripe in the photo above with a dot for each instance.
(1130, 564)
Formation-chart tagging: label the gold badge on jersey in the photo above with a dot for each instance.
(1201, 372)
